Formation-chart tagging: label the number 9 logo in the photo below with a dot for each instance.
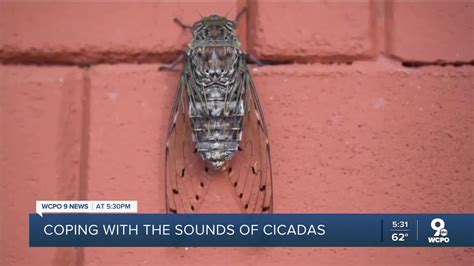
(437, 224)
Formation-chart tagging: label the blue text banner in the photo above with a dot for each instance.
(241, 230)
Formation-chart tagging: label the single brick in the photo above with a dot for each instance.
(431, 31)
(308, 31)
(99, 32)
(40, 148)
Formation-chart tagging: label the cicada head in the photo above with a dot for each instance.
(215, 49)
(214, 31)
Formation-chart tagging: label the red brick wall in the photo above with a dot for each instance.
(369, 110)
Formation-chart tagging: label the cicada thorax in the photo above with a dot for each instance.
(216, 105)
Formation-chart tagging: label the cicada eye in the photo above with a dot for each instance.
(197, 26)
(230, 24)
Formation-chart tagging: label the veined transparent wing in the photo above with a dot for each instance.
(186, 180)
(250, 171)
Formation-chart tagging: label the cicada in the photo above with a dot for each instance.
(216, 127)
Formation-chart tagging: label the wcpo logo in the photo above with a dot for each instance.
(441, 233)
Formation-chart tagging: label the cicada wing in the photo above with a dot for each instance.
(250, 171)
(186, 180)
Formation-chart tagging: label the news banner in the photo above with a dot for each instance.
(117, 224)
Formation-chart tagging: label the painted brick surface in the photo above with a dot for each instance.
(362, 138)
(99, 32)
(371, 136)
(41, 146)
(310, 30)
(431, 31)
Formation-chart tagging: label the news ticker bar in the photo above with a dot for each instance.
(244, 230)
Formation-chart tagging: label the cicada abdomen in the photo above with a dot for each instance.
(217, 124)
